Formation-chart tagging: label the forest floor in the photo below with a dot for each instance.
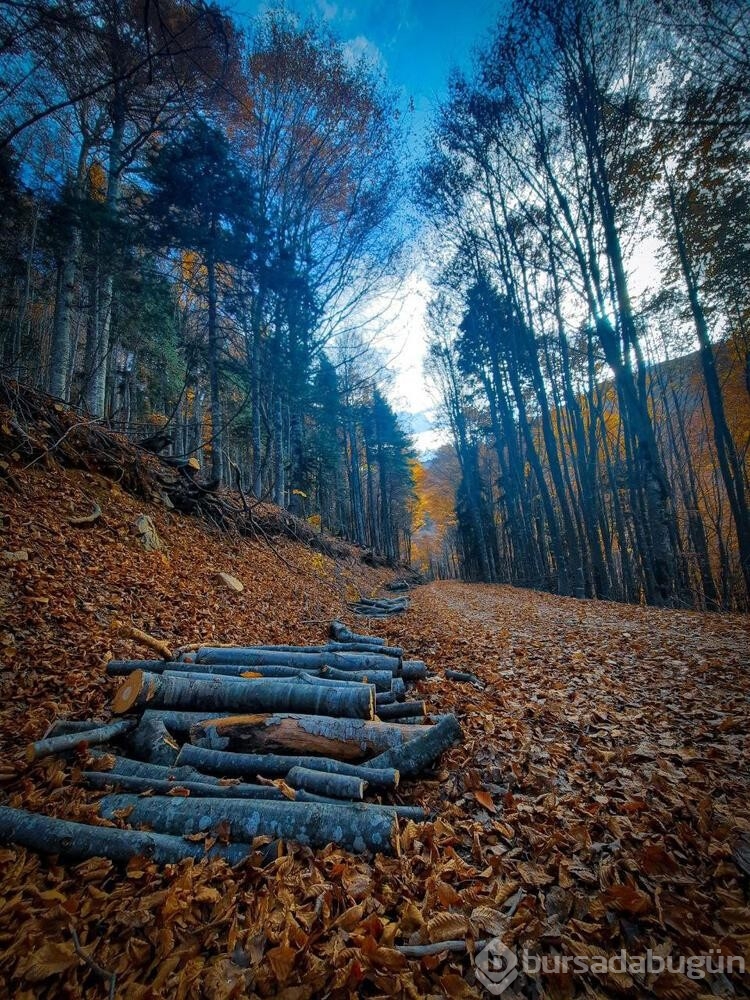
(599, 800)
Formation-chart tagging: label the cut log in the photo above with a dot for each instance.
(127, 631)
(72, 741)
(418, 754)
(409, 720)
(63, 727)
(200, 671)
(336, 786)
(398, 688)
(234, 765)
(316, 824)
(402, 710)
(179, 723)
(152, 742)
(121, 668)
(413, 670)
(201, 789)
(342, 633)
(79, 841)
(384, 698)
(384, 603)
(328, 647)
(171, 690)
(204, 760)
(341, 739)
(381, 679)
(238, 654)
(462, 675)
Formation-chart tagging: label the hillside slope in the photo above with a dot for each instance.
(598, 802)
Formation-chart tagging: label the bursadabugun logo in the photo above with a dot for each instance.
(495, 966)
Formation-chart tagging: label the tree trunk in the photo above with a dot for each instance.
(352, 827)
(171, 690)
(214, 369)
(380, 679)
(343, 739)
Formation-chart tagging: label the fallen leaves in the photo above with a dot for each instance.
(599, 801)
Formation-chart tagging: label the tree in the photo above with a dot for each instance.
(202, 200)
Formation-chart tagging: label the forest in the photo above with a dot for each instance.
(200, 213)
(193, 217)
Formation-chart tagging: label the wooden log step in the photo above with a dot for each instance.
(411, 758)
(204, 760)
(341, 739)
(342, 633)
(79, 841)
(354, 661)
(329, 784)
(171, 690)
(402, 710)
(72, 741)
(353, 827)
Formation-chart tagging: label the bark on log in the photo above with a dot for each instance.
(152, 742)
(179, 723)
(419, 753)
(121, 668)
(228, 765)
(355, 661)
(316, 824)
(63, 727)
(384, 698)
(462, 675)
(249, 765)
(381, 679)
(46, 835)
(341, 739)
(398, 688)
(199, 671)
(402, 710)
(342, 633)
(384, 603)
(201, 789)
(413, 670)
(171, 690)
(328, 647)
(329, 784)
(71, 741)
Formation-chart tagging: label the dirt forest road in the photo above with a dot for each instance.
(610, 746)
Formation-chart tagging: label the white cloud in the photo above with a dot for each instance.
(360, 47)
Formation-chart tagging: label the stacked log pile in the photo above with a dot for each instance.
(379, 607)
(223, 745)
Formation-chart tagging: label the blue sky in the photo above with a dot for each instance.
(415, 42)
